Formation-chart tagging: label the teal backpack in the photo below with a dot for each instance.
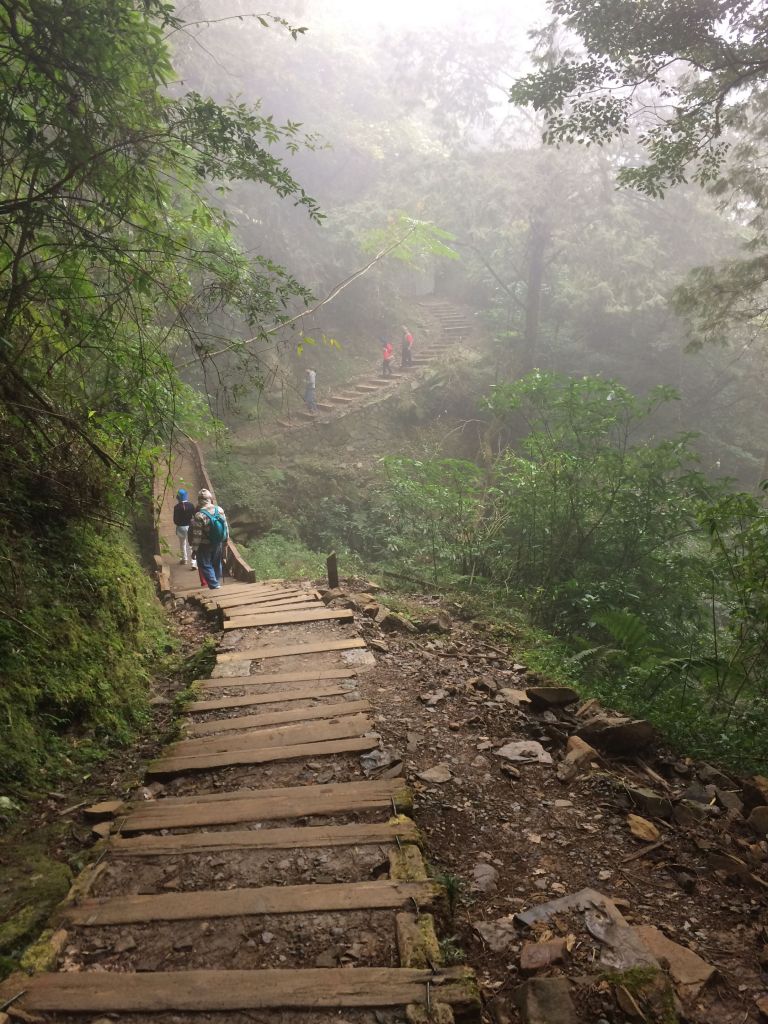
(217, 526)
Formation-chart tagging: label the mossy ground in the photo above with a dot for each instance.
(76, 651)
(31, 885)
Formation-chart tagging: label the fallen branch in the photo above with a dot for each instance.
(646, 849)
(336, 290)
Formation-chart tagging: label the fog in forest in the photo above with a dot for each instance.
(217, 221)
(410, 116)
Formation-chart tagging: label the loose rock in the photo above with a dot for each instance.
(688, 971)
(525, 751)
(643, 829)
(439, 774)
(498, 935)
(390, 622)
(755, 792)
(485, 878)
(546, 1001)
(551, 696)
(650, 802)
(537, 956)
(617, 734)
(579, 755)
(758, 820)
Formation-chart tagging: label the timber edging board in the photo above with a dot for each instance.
(269, 988)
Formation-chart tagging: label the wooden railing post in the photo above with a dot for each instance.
(333, 571)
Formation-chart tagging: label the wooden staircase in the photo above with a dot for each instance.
(264, 845)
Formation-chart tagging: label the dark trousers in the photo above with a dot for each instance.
(387, 368)
(210, 564)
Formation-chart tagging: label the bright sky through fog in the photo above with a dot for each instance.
(486, 16)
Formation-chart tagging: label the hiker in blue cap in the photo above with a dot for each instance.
(183, 514)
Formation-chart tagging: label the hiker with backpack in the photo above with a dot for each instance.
(387, 355)
(183, 514)
(208, 536)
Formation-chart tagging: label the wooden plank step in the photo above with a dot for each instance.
(344, 399)
(325, 406)
(338, 728)
(218, 600)
(232, 588)
(287, 650)
(220, 991)
(268, 609)
(267, 899)
(286, 618)
(254, 589)
(351, 707)
(365, 387)
(292, 838)
(267, 603)
(276, 697)
(261, 755)
(262, 678)
(248, 805)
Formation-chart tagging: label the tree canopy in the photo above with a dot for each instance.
(112, 258)
(677, 73)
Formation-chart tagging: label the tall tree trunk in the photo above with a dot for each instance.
(538, 240)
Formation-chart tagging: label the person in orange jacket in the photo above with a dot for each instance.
(387, 356)
(407, 350)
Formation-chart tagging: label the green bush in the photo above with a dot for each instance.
(653, 575)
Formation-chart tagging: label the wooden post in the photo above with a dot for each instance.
(333, 571)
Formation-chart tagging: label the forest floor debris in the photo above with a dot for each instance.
(687, 894)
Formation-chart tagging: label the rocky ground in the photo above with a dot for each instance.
(652, 869)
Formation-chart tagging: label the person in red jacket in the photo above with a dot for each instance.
(387, 356)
